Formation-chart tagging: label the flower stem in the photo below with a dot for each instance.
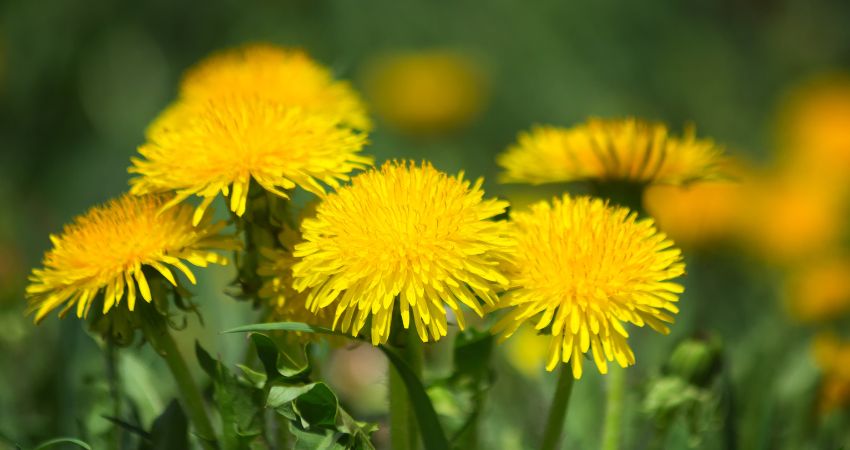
(558, 409)
(614, 409)
(156, 331)
(403, 430)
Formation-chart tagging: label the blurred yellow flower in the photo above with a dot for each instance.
(700, 213)
(526, 348)
(791, 217)
(286, 76)
(403, 233)
(610, 149)
(819, 290)
(108, 247)
(815, 126)
(220, 145)
(287, 304)
(581, 268)
(832, 356)
(426, 92)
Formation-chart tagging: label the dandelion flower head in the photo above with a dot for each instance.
(427, 92)
(581, 270)
(407, 233)
(286, 76)
(221, 144)
(107, 248)
(819, 290)
(610, 149)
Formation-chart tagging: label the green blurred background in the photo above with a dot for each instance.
(80, 80)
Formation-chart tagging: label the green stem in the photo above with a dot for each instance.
(114, 391)
(558, 409)
(403, 430)
(156, 331)
(614, 409)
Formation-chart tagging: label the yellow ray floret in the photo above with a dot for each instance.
(600, 149)
(219, 145)
(286, 76)
(580, 271)
(408, 234)
(107, 248)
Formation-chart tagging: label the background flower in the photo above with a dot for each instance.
(220, 145)
(610, 149)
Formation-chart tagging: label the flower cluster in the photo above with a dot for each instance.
(400, 247)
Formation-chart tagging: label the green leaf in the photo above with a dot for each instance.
(286, 326)
(318, 406)
(57, 441)
(277, 364)
(433, 436)
(170, 431)
(312, 440)
(239, 403)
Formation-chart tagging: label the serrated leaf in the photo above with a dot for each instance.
(433, 436)
(239, 404)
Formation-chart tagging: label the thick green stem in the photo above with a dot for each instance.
(558, 409)
(404, 434)
(614, 409)
(156, 331)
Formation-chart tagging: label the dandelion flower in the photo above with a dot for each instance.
(814, 127)
(408, 233)
(426, 92)
(602, 149)
(804, 217)
(107, 248)
(220, 145)
(819, 290)
(286, 76)
(696, 214)
(581, 269)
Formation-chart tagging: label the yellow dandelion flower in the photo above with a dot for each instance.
(832, 355)
(696, 214)
(426, 92)
(286, 76)
(804, 217)
(287, 304)
(581, 269)
(819, 290)
(107, 248)
(814, 126)
(220, 145)
(408, 233)
(606, 149)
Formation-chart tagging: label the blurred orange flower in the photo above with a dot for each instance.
(820, 290)
(695, 214)
(832, 355)
(815, 126)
